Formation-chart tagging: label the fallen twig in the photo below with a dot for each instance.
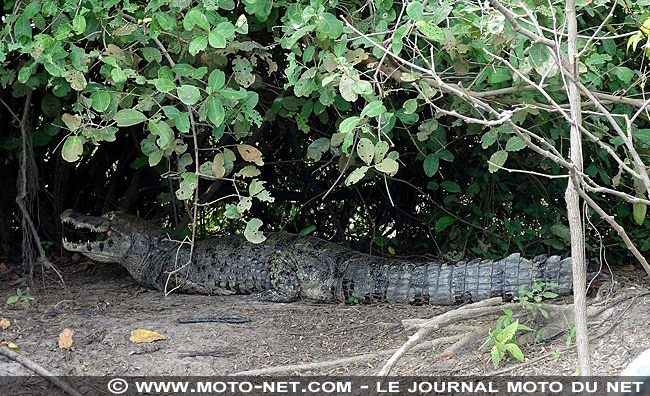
(30, 364)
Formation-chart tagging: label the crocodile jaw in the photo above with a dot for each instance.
(110, 250)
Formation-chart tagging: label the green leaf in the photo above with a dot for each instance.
(317, 148)
(515, 144)
(255, 187)
(51, 107)
(415, 10)
(398, 37)
(509, 331)
(164, 132)
(634, 41)
(410, 106)
(356, 175)
(55, 69)
(26, 72)
(329, 25)
(307, 230)
(450, 186)
(561, 231)
(118, 75)
(241, 26)
(539, 55)
(443, 223)
(639, 212)
(497, 160)
(216, 113)
(164, 84)
(31, 9)
(197, 45)
(381, 148)
(79, 24)
(366, 150)
(373, 109)
(515, 351)
(22, 27)
(388, 166)
(187, 186)
(73, 148)
(496, 356)
(226, 29)
(349, 124)
(183, 122)
(76, 79)
(188, 94)
(195, 17)
(643, 136)
(216, 39)
(441, 12)
(128, 117)
(216, 80)
(73, 122)
(431, 163)
(446, 155)
(431, 31)
(252, 231)
(346, 88)
(166, 21)
(100, 100)
(489, 138)
(290, 41)
(499, 75)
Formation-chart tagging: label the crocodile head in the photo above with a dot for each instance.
(111, 238)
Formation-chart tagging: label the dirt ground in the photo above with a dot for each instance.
(102, 305)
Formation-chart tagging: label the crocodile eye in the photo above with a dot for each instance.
(109, 216)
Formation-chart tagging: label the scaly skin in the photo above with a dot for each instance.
(288, 267)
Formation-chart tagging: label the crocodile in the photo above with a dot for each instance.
(288, 267)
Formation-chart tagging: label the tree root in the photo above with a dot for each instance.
(24, 196)
(30, 364)
(345, 360)
(474, 310)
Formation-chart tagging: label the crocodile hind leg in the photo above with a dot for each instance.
(284, 280)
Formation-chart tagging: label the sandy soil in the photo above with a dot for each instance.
(102, 305)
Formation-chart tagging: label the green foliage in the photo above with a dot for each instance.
(503, 339)
(234, 92)
(531, 299)
(21, 298)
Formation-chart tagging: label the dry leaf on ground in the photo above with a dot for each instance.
(143, 335)
(5, 323)
(11, 345)
(65, 339)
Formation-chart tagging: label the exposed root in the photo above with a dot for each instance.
(347, 360)
(474, 310)
(30, 364)
(467, 339)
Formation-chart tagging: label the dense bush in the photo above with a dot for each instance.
(289, 114)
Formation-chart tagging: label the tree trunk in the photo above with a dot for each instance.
(573, 200)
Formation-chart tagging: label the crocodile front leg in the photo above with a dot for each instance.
(285, 283)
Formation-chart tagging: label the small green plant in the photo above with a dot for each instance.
(572, 333)
(530, 300)
(354, 300)
(25, 299)
(557, 353)
(47, 245)
(504, 339)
